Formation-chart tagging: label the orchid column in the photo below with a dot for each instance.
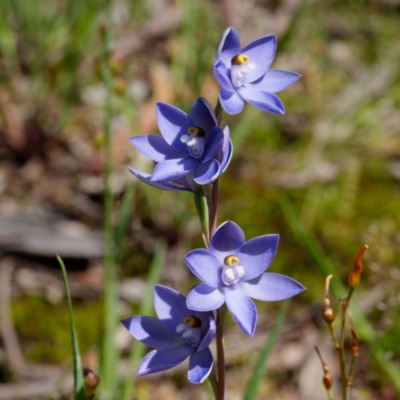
(191, 154)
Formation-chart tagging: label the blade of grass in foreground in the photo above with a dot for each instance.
(259, 369)
(109, 352)
(145, 309)
(364, 327)
(79, 385)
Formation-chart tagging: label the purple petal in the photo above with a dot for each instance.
(170, 307)
(272, 287)
(231, 102)
(242, 308)
(152, 332)
(276, 80)
(225, 154)
(200, 365)
(261, 99)
(257, 254)
(155, 147)
(208, 322)
(227, 240)
(206, 172)
(173, 123)
(203, 116)
(222, 76)
(205, 266)
(146, 178)
(186, 182)
(170, 170)
(228, 46)
(214, 144)
(160, 360)
(261, 53)
(205, 298)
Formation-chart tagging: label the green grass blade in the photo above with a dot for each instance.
(364, 327)
(146, 308)
(259, 369)
(109, 351)
(79, 385)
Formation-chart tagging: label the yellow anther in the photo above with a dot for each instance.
(193, 322)
(231, 261)
(240, 59)
(196, 131)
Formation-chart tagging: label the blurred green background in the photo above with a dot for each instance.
(325, 175)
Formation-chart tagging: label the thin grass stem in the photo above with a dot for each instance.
(108, 351)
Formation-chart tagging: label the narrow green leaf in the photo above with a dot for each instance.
(79, 384)
(146, 308)
(109, 352)
(364, 327)
(259, 370)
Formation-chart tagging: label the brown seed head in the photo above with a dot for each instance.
(328, 314)
(354, 277)
(327, 381)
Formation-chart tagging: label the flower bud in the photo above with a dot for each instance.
(327, 380)
(355, 348)
(354, 277)
(328, 315)
(91, 382)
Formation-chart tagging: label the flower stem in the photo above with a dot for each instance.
(202, 207)
(218, 111)
(221, 313)
(340, 350)
(351, 372)
(329, 394)
(214, 383)
(213, 209)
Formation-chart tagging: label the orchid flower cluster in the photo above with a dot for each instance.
(191, 154)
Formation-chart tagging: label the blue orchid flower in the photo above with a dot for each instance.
(177, 333)
(233, 271)
(182, 184)
(191, 147)
(244, 74)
